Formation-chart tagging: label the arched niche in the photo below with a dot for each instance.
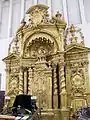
(39, 40)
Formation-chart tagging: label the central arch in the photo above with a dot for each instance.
(29, 38)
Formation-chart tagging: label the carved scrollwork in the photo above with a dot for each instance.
(77, 81)
(38, 15)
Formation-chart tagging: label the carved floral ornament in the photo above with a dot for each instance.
(77, 81)
(78, 84)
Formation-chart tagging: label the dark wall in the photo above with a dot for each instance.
(2, 96)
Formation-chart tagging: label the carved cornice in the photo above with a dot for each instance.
(81, 63)
(11, 56)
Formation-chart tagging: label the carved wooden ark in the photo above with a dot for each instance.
(49, 62)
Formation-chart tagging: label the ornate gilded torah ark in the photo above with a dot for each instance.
(49, 61)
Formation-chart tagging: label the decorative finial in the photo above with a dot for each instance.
(58, 15)
(58, 18)
(72, 30)
(74, 36)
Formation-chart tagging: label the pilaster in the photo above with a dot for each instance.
(34, 2)
(0, 14)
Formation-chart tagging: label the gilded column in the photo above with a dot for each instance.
(55, 91)
(49, 82)
(30, 77)
(50, 94)
(63, 92)
(21, 81)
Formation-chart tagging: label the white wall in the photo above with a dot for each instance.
(4, 43)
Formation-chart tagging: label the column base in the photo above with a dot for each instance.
(55, 114)
(64, 114)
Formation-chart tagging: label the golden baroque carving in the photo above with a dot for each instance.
(38, 47)
(48, 64)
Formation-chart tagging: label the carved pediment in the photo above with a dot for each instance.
(77, 48)
(10, 57)
(38, 16)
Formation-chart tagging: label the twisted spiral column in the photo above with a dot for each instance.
(55, 92)
(62, 78)
(55, 81)
(21, 81)
(63, 93)
(30, 77)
